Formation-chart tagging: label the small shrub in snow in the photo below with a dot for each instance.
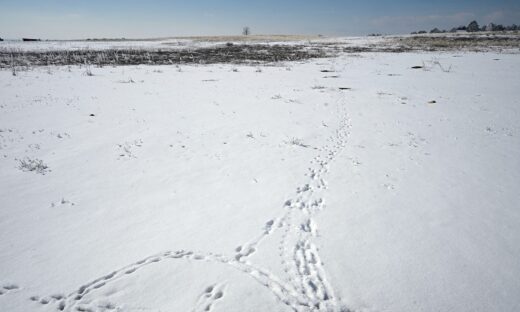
(297, 142)
(13, 66)
(88, 71)
(130, 80)
(429, 65)
(35, 165)
(444, 69)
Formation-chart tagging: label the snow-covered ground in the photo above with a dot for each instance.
(153, 44)
(353, 183)
(179, 43)
(71, 45)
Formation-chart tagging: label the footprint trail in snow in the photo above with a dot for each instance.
(304, 286)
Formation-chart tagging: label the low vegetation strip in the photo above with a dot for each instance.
(464, 42)
(247, 53)
(228, 53)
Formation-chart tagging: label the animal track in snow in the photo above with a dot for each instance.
(303, 189)
(209, 297)
(57, 299)
(309, 226)
(7, 288)
(244, 252)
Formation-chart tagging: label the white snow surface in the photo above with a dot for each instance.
(228, 188)
(178, 43)
(72, 45)
(153, 44)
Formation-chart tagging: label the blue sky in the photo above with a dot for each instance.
(76, 19)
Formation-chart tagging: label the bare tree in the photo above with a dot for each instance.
(246, 31)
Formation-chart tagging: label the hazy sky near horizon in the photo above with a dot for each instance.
(78, 19)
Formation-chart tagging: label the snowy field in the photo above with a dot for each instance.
(177, 43)
(352, 183)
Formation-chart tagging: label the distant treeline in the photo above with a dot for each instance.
(472, 27)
